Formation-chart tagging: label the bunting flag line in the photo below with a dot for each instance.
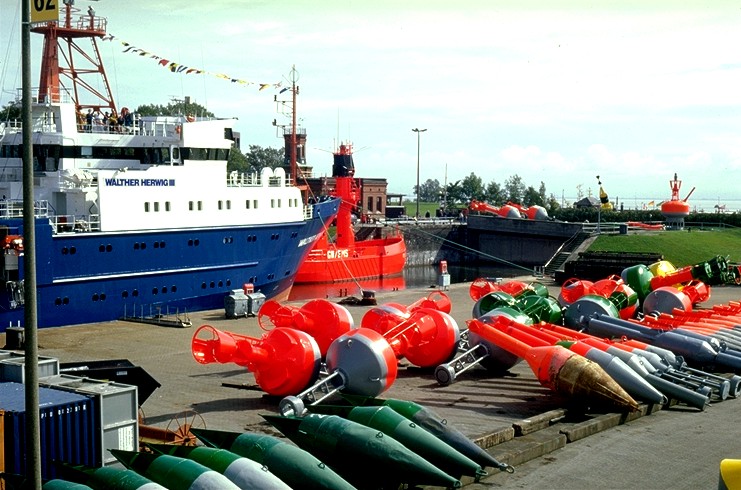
(175, 67)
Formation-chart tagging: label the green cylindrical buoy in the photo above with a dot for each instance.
(293, 465)
(364, 456)
(58, 484)
(437, 426)
(638, 277)
(411, 435)
(108, 478)
(173, 472)
(243, 472)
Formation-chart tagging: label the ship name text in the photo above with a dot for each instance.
(140, 182)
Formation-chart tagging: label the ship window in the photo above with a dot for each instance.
(254, 203)
(221, 204)
(247, 204)
(157, 207)
(167, 205)
(190, 205)
(280, 203)
(200, 205)
(198, 154)
(86, 151)
(146, 207)
(272, 203)
(228, 204)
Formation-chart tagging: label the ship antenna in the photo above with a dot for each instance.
(294, 76)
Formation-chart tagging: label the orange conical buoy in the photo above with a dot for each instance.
(560, 369)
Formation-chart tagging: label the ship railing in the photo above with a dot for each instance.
(44, 123)
(158, 128)
(69, 223)
(106, 128)
(56, 94)
(308, 211)
(90, 23)
(242, 179)
(13, 208)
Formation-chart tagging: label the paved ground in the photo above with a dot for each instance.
(481, 406)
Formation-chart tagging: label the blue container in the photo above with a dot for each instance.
(67, 422)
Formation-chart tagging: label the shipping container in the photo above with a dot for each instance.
(116, 411)
(13, 366)
(67, 422)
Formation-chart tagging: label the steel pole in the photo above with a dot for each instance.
(30, 322)
(418, 131)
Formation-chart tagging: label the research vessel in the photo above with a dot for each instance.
(139, 218)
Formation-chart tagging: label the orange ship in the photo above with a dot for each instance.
(346, 259)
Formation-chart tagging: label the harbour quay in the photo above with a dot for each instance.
(511, 414)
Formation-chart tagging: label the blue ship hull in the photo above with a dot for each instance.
(96, 277)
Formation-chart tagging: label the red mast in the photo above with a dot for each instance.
(61, 40)
(343, 171)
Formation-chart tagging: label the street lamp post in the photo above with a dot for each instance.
(418, 131)
(599, 207)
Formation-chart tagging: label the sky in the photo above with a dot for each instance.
(556, 91)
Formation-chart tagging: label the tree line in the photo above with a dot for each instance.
(472, 187)
(453, 196)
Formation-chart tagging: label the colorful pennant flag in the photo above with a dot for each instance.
(179, 68)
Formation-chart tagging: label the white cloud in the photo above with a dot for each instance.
(557, 92)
